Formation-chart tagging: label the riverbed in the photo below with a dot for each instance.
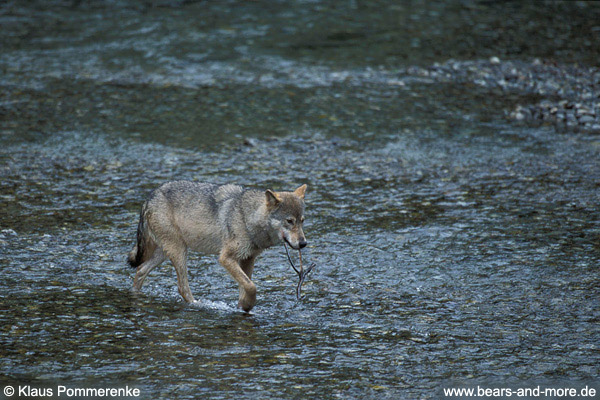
(456, 243)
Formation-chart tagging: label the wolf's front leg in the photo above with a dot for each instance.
(178, 256)
(247, 287)
(247, 266)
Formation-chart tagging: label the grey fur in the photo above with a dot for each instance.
(236, 223)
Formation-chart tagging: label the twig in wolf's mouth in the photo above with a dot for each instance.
(301, 272)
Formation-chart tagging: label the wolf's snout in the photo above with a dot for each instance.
(302, 244)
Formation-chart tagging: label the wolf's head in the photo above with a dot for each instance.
(286, 215)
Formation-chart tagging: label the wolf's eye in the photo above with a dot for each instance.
(290, 221)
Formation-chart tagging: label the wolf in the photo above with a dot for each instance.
(229, 220)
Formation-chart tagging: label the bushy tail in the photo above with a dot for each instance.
(138, 254)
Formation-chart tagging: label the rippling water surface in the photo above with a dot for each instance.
(453, 245)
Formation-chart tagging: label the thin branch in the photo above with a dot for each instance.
(302, 273)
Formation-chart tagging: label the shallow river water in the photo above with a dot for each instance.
(454, 246)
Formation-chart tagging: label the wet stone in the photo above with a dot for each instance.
(571, 123)
(586, 119)
(584, 111)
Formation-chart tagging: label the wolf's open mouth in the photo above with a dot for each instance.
(287, 241)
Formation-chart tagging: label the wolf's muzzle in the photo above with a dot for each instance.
(301, 244)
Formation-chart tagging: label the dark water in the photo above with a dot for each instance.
(453, 246)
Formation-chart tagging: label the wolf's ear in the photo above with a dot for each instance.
(300, 191)
(273, 199)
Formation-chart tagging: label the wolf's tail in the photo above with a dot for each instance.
(139, 252)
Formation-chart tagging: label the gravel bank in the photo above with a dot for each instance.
(570, 94)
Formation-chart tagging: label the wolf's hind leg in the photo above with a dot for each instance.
(158, 256)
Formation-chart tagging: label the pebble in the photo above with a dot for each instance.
(584, 111)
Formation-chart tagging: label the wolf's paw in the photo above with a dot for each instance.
(246, 306)
(246, 302)
(247, 299)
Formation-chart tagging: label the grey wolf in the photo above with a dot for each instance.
(235, 223)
